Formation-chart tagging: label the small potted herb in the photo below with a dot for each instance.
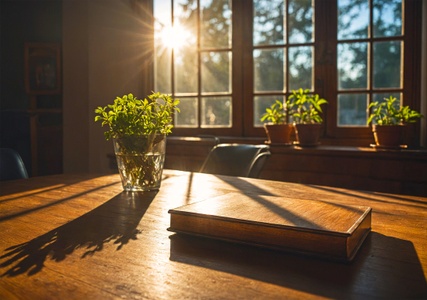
(138, 128)
(307, 109)
(388, 119)
(278, 128)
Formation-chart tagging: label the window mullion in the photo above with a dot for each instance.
(325, 62)
(243, 12)
(199, 66)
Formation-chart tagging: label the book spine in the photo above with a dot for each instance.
(359, 235)
(302, 241)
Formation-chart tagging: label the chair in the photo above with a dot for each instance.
(11, 165)
(236, 160)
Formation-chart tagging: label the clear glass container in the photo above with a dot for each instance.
(140, 161)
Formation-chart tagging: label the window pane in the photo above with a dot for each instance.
(215, 23)
(163, 54)
(352, 109)
(184, 33)
(269, 22)
(216, 112)
(353, 19)
(216, 71)
(269, 70)
(300, 14)
(352, 65)
(185, 15)
(188, 117)
(387, 64)
(186, 71)
(162, 16)
(301, 68)
(387, 18)
(260, 104)
(162, 70)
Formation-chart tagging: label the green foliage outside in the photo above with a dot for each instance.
(276, 24)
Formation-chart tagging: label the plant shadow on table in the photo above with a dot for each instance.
(384, 266)
(114, 221)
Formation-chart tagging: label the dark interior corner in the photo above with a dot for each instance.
(29, 123)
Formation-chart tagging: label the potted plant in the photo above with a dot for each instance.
(388, 120)
(138, 129)
(307, 108)
(278, 128)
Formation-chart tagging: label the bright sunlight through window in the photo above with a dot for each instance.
(175, 37)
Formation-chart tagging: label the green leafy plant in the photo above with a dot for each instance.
(138, 127)
(129, 116)
(306, 106)
(276, 113)
(389, 112)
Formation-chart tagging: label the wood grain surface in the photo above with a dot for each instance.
(81, 237)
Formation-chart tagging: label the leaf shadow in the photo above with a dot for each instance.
(114, 221)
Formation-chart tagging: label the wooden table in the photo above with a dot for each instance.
(81, 237)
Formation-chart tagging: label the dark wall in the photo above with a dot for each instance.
(20, 22)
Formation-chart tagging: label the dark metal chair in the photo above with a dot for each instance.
(11, 165)
(242, 160)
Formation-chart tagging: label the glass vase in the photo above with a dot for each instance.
(140, 161)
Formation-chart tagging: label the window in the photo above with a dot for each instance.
(283, 50)
(227, 60)
(371, 46)
(194, 61)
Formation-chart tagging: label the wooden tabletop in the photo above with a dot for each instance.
(81, 237)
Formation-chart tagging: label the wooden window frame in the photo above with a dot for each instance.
(325, 74)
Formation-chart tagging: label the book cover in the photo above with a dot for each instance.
(319, 228)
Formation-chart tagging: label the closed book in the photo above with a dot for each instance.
(313, 227)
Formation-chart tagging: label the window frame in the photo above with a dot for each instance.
(325, 73)
(411, 89)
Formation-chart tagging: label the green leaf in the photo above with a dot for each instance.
(389, 113)
(129, 115)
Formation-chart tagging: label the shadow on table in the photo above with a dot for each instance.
(384, 267)
(115, 221)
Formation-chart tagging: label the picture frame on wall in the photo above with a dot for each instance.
(42, 68)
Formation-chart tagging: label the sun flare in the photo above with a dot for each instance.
(175, 37)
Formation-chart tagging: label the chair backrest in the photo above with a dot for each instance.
(242, 160)
(11, 165)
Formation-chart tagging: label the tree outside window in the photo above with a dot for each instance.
(227, 60)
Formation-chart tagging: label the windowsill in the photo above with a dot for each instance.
(317, 150)
(362, 168)
(348, 150)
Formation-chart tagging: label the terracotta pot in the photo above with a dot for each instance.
(278, 133)
(308, 134)
(388, 135)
